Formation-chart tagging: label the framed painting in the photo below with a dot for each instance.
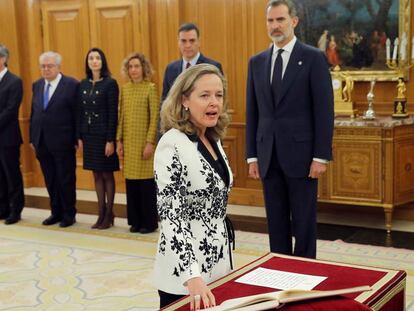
(353, 34)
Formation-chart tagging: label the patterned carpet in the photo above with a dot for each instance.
(48, 268)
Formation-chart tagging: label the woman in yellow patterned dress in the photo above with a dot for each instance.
(136, 136)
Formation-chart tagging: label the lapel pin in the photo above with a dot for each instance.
(300, 63)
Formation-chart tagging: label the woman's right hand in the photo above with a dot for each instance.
(120, 148)
(80, 144)
(197, 288)
(109, 148)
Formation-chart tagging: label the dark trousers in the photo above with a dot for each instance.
(167, 298)
(291, 211)
(59, 172)
(141, 203)
(11, 182)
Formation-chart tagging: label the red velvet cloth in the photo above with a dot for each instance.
(338, 276)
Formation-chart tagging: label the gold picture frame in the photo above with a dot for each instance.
(352, 40)
(404, 23)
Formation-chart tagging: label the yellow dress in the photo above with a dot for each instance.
(137, 126)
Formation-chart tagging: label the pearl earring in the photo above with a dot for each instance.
(186, 108)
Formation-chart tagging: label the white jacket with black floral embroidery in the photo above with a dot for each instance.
(192, 202)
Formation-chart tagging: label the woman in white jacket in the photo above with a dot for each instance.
(193, 179)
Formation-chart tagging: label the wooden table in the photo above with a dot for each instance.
(373, 164)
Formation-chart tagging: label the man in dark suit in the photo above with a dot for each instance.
(289, 129)
(189, 45)
(11, 182)
(52, 136)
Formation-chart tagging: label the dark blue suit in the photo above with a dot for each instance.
(53, 134)
(174, 69)
(11, 182)
(285, 135)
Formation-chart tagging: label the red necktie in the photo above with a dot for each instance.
(187, 65)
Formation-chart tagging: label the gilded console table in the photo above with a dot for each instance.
(373, 164)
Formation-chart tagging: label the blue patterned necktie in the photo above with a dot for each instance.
(277, 75)
(46, 96)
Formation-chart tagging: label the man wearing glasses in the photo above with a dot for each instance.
(52, 136)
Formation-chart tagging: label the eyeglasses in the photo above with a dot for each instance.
(47, 66)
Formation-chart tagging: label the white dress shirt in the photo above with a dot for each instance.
(53, 85)
(192, 61)
(3, 73)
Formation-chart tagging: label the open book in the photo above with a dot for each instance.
(275, 299)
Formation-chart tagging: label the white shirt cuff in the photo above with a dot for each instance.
(251, 160)
(320, 160)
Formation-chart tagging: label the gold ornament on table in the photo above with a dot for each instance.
(400, 102)
(343, 85)
(370, 113)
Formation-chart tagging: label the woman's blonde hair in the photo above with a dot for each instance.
(147, 70)
(173, 113)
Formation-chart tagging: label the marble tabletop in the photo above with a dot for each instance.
(381, 121)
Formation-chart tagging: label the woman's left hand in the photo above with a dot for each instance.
(109, 149)
(148, 151)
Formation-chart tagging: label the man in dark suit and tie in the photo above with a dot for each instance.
(189, 45)
(52, 135)
(11, 182)
(289, 129)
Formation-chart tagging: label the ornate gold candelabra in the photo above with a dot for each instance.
(401, 64)
(399, 61)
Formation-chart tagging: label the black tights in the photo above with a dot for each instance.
(105, 188)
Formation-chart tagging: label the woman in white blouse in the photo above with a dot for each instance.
(193, 179)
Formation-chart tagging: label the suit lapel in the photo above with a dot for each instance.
(5, 78)
(200, 59)
(39, 94)
(294, 66)
(204, 153)
(267, 65)
(224, 160)
(56, 93)
(180, 67)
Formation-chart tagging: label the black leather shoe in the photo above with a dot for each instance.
(67, 223)
(51, 220)
(133, 229)
(12, 219)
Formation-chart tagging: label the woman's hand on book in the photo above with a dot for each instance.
(199, 292)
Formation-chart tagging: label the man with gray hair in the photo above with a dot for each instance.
(52, 136)
(11, 182)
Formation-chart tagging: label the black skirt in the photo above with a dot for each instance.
(94, 155)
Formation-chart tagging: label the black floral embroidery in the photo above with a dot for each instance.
(178, 207)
